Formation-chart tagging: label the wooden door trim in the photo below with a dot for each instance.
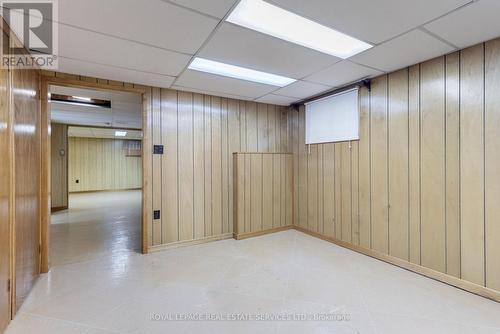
(45, 82)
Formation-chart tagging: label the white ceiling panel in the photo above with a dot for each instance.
(151, 22)
(208, 92)
(243, 47)
(405, 50)
(79, 67)
(342, 73)
(89, 46)
(217, 8)
(470, 25)
(277, 99)
(220, 84)
(371, 21)
(301, 89)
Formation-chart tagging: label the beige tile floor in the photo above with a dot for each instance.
(285, 273)
(96, 224)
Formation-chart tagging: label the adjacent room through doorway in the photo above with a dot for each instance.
(96, 174)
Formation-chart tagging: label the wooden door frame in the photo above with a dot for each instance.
(45, 82)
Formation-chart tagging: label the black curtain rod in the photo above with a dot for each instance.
(363, 83)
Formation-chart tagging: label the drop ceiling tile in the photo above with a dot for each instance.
(301, 89)
(89, 46)
(470, 25)
(342, 73)
(408, 49)
(150, 22)
(217, 8)
(244, 47)
(220, 84)
(277, 99)
(73, 66)
(209, 92)
(371, 21)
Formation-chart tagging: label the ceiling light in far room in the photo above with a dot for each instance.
(272, 20)
(237, 72)
(87, 99)
(120, 133)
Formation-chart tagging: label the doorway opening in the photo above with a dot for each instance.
(96, 173)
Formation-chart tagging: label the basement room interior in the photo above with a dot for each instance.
(250, 166)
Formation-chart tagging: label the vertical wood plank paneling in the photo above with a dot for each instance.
(355, 192)
(267, 191)
(225, 166)
(217, 166)
(199, 164)
(425, 168)
(283, 180)
(277, 190)
(294, 143)
(379, 182)
(256, 192)
(328, 188)
(59, 166)
(251, 126)
(302, 173)
(5, 188)
(157, 164)
(267, 208)
(234, 146)
(208, 164)
(185, 165)
(284, 129)
(247, 195)
(274, 131)
(492, 163)
(169, 183)
(289, 190)
(239, 194)
(432, 138)
(346, 191)
(26, 191)
(262, 128)
(472, 163)
(312, 188)
(338, 190)
(320, 200)
(100, 164)
(414, 162)
(452, 165)
(398, 164)
(364, 169)
(243, 125)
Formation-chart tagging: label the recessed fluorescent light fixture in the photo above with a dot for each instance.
(237, 72)
(272, 20)
(120, 133)
(88, 99)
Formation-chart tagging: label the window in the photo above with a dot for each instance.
(333, 119)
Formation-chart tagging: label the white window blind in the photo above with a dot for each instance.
(334, 118)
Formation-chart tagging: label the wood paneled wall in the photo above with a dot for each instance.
(263, 192)
(102, 164)
(192, 180)
(423, 182)
(20, 152)
(27, 154)
(5, 185)
(59, 166)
